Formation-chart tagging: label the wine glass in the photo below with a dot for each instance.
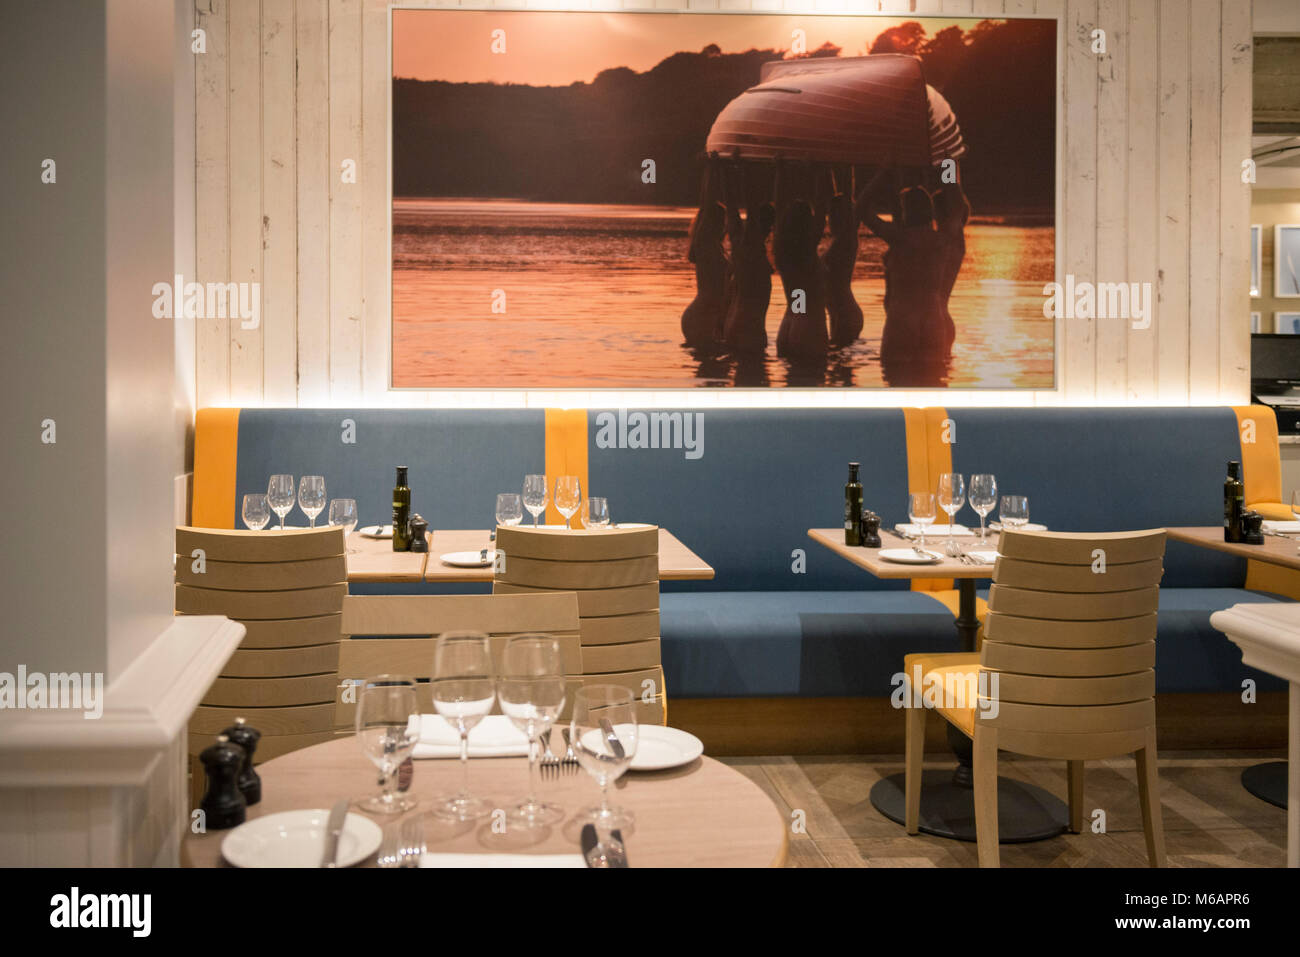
(983, 495)
(510, 508)
(952, 496)
(604, 735)
(343, 511)
(388, 728)
(1014, 511)
(920, 511)
(256, 511)
(530, 688)
(535, 493)
(568, 496)
(595, 512)
(279, 493)
(311, 496)
(463, 693)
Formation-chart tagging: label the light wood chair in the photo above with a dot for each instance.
(286, 589)
(393, 634)
(615, 573)
(1066, 671)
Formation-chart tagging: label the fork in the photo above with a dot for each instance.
(548, 762)
(569, 763)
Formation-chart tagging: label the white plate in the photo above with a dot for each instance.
(376, 531)
(905, 556)
(297, 839)
(469, 559)
(633, 525)
(658, 747)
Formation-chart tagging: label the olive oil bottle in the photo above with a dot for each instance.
(853, 507)
(401, 512)
(1234, 503)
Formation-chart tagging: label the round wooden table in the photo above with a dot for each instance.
(701, 815)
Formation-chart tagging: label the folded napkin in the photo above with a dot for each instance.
(908, 530)
(983, 557)
(1027, 527)
(502, 860)
(1283, 528)
(493, 737)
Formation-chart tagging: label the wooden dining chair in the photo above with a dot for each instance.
(1066, 671)
(615, 573)
(286, 589)
(394, 634)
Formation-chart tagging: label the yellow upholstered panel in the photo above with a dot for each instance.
(216, 450)
(566, 453)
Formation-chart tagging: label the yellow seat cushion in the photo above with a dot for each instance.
(945, 669)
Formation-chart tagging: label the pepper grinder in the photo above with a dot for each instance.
(223, 804)
(871, 530)
(1252, 528)
(250, 784)
(419, 543)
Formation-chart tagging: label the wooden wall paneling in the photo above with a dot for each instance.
(311, 128)
(1174, 230)
(1204, 183)
(961, 7)
(1112, 193)
(245, 149)
(279, 204)
(1236, 69)
(212, 201)
(345, 200)
(1079, 232)
(1019, 8)
(375, 291)
(1142, 202)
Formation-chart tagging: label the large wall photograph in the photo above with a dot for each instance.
(671, 200)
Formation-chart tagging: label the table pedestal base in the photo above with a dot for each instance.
(1025, 812)
(1267, 782)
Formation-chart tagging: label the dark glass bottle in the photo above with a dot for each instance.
(1234, 503)
(853, 507)
(401, 512)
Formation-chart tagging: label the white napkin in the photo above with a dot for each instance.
(908, 529)
(985, 558)
(1027, 527)
(493, 737)
(1285, 528)
(502, 860)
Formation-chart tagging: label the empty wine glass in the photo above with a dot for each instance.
(343, 511)
(1014, 511)
(256, 511)
(311, 496)
(920, 511)
(510, 508)
(280, 495)
(535, 493)
(463, 693)
(530, 688)
(568, 496)
(952, 496)
(388, 728)
(604, 735)
(983, 495)
(595, 512)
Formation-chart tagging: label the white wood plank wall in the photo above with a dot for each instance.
(1152, 137)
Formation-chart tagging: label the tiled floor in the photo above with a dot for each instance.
(1210, 820)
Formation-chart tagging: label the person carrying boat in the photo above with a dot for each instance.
(951, 212)
(745, 330)
(839, 260)
(704, 317)
(802, 335)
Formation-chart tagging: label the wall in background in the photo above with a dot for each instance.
(1268, 208)
(1151, 192)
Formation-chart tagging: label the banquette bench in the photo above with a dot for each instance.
(783, 618)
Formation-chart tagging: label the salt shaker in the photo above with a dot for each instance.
(250, 784)
(223, 804)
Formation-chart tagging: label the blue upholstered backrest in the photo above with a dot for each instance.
(1101, 470)
(765, 477)
(459, 459)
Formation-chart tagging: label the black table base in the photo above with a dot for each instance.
(1267, 782)
(1025, 812)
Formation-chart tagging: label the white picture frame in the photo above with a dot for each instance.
(1286, 323)
(1286, 261)
(1254, 324)
(1256, 259)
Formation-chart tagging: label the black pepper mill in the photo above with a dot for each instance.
(871, 530)
(223, 804)
(250, 784)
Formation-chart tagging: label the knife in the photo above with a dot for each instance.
(615, 746)
(338, 816)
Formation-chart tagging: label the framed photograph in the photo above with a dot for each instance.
(1254, 324)
(1256, 257)
(641, 200)
(1286, 323)
(1286, 262)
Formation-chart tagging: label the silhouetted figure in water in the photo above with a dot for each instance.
(703, 319)
(745, 330)
(799, 229)
(951, 212)
(839, 260)
(918, 329)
